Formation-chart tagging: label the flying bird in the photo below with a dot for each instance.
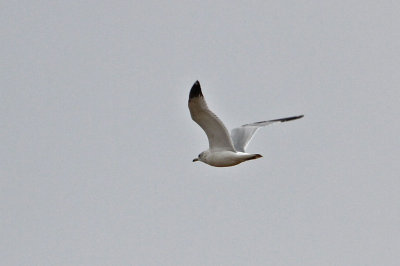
(224, 149)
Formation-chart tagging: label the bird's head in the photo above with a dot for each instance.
(200, 157)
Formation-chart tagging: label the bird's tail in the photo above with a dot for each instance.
(253, 157)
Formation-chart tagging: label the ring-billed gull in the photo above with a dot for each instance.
(224, 149)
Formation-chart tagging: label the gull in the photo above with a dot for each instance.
(224, 150)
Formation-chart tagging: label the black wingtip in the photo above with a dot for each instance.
(195, 91)
(288, 118)
(298, 117)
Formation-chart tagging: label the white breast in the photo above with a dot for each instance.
(227, 158)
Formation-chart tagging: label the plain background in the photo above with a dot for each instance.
(97, 141)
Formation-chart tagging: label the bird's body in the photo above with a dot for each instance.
(224, 149)
(225, 158)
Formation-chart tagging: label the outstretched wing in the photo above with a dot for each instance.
(218, 135)
(241, 136)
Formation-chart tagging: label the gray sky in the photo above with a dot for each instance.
(97, 141)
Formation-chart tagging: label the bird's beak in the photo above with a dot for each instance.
(195, 160)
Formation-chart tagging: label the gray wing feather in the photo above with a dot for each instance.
(217, 134)
(241, 136)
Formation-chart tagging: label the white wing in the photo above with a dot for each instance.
(241, 136)
(218, 135)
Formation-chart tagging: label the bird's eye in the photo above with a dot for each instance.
(199, 155)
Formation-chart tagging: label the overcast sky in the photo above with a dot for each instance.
(97, 141)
